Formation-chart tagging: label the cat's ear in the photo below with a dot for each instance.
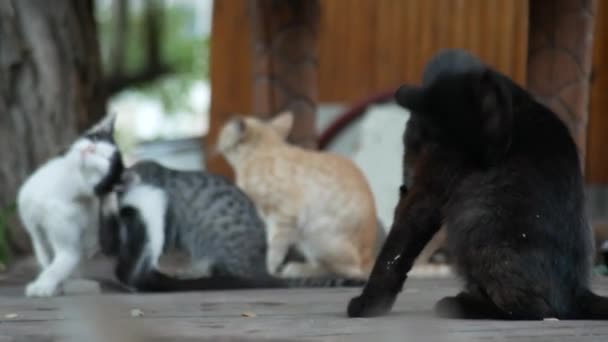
(238, 122)
(410, 97)
(282, 123)
(496, 113)
(106, 124)
(110, 122)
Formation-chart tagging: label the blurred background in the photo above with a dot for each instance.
(176, 70)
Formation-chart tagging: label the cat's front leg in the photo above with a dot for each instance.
(109, 225)
(35, 231)
(279, 236)
(64, 238)
(48, 282)
(416, 221)
(40, 250)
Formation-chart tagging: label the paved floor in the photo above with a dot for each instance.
(265, 315)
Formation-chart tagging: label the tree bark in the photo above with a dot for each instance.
(154, 66)
(560, 50)
(120, 9)
(49, 88)
(154, 32)
(285, 63)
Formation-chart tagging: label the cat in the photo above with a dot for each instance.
(58, 205)
(318, 202)
(201, 214)
(503, 173)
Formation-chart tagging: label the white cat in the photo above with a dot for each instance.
(59, 205)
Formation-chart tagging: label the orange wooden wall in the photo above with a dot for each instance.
(371, 45)
(230, 60)
(367, 46)
(230, 73)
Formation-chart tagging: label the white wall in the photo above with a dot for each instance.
(374, 142)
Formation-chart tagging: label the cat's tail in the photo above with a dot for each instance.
(323, 282)
(156, 281)
(592, 306)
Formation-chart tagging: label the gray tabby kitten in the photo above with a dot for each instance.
(196, 212)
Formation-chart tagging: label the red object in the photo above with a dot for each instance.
(351, 114)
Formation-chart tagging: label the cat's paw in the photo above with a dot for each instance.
(303, 270)
(293, 270)
(42, 288)
(370, 305)
(448, 307)
(274, 263)
(122, 271)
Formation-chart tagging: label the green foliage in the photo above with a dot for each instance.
(6, 214)
(183, 51)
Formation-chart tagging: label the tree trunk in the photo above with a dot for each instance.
(284, 52)
(154, 32)
(120, 10)
(559, 60)
(49, 88)
(154, 66)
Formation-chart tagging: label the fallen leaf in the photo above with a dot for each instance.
(248, 314)
(137, 313)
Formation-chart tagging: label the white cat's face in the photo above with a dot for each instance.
(95, 152)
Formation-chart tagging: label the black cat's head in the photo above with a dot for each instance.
(450, 61)
(470, 111)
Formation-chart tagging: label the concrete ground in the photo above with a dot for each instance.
(260, 315)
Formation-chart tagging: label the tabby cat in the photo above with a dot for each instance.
(200, 214)
(319, 203)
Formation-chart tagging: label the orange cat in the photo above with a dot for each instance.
(319, 203)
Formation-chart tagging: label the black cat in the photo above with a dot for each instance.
(502, 172)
